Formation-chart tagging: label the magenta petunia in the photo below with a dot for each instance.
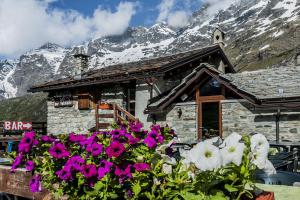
(77, 138)
(58, 151)
(141, 167)
(104, 168)
(136, 126)
(76, 163)
(115, 149)
(89, 171)
(47, 139)
(123, 172)
(27, 142)
(118, 133)
(35, 183)
(131, 139)
(29, 165)
(16, 162)
(65, 173)
(153, 138)
(95, 149)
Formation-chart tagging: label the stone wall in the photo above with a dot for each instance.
(64, 120)
(69, 119)
(185, 125)
(240, 116)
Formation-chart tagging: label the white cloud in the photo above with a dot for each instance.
(217, 5)
(174, 17)
(178, 19)
(165, 7)
(26, 24)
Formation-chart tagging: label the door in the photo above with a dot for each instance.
(210, 120)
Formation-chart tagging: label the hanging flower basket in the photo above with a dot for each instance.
(104, 106)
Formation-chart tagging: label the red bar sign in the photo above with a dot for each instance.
(17, 126)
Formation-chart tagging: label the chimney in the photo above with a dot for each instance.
(81, 65)
(219, 37)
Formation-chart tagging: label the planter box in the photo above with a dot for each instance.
(266, 196)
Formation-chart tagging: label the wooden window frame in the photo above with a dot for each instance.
(86, 107)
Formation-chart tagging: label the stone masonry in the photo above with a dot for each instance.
(185, 125)
(241, 117)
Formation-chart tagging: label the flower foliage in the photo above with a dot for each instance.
(129, 162)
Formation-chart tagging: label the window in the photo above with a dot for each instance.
(84, 102)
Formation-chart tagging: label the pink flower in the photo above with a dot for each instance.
(16, 162)
(76, 163)
(104, 168)
(29, 165)
(123, 172)
(141, 167)
(153, 138)
(65, 173)
(48, 139)
(115, 149)
(136, 126)
(94, 148)
(27, 142)
(35, 183)
(59, 151)
(89, 170)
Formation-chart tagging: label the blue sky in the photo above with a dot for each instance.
(28, 24)
(147, 10)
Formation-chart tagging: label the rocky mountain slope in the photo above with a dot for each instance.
(260, 34)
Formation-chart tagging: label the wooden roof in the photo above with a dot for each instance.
(135, 70)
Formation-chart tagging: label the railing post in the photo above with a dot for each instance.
(97, 117)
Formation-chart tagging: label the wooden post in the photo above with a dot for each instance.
(199, 115)
(97, 116)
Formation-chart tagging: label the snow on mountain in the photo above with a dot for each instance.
(259, 33)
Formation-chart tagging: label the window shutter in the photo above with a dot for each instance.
(84, 102)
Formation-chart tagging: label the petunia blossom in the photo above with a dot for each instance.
(232, 153)
(104, 168)
(89, 170)
(136, 126)
(259, 142)
(123, 172)
(141, 167)
(95, 149)
(35, 183)
(59, 151)
(29, 165)
(76, 162)
(27, 142)
(65, 173)
(16, 162)
(115, 149)
(205, 156)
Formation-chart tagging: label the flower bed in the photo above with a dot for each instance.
(129, 162)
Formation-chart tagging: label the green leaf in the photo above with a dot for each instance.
(230, 188)
(136, 189)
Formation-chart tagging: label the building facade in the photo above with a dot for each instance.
(197, 93)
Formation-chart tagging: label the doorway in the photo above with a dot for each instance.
(210, 120)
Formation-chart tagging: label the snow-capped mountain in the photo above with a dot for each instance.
(260, 33)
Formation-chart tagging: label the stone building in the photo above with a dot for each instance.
(198, 93)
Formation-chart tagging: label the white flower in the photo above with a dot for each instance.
(233, 154)
(258, 142)
(259, 157)
(213, 141)
(232, 139)
(205, 156)
(269, 169)
(167, 169)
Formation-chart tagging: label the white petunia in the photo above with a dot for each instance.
(233, 154)
(232, 139)
(269, 169)
(205, 156)
(259, 157)
(258, 142)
